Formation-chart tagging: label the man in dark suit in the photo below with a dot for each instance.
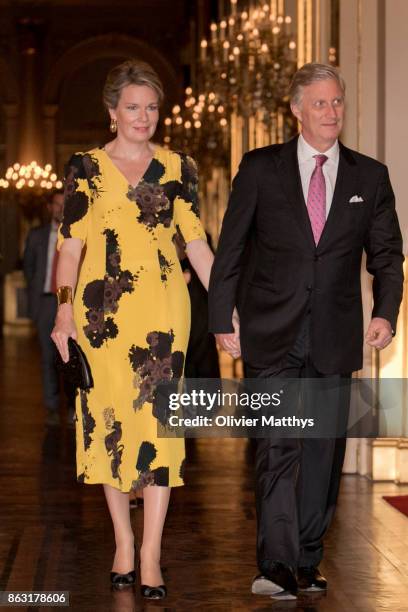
(299, 217)
(40, 259)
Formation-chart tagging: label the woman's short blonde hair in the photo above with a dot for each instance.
(131, 72)
(310, 73)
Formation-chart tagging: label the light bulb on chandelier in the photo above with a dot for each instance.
(31, 176)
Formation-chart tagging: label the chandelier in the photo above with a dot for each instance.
(27, 186)
(31, 176)
(245, 69)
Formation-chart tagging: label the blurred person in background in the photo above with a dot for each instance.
(40, 263)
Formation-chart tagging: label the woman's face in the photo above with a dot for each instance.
(137, 113)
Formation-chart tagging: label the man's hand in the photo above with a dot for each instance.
(379, 333)
(230, 342)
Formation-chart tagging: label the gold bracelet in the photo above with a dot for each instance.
(64, 295)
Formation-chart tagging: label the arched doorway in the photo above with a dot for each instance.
(74, 117)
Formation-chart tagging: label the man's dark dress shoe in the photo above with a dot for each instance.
(310, 579)
(277, 579)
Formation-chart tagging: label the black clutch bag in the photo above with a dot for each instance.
(76, 371)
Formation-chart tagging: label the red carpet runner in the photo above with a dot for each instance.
(400, 502)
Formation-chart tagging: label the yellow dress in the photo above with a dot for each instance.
(132, 311)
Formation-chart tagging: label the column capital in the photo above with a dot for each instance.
(30, 34)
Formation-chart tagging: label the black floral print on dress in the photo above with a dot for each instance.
(112, 439)
(189, 182)
(76, 202)
(152, 366)
(153, 204)
(92, 172)
(146, 455)
(99, 327)
(182, 470)
(101, 297)
(88, 422)
(145, 479)
(178, 237)
(117, 281)
(83, 476)
(159, 476)
(166, 266)
(155, 201)
(155, 172)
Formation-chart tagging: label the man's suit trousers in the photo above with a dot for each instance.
(297, 480)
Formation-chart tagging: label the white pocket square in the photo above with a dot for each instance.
(356, 198)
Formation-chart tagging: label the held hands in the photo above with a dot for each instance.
(230, 342)
(64, 328)
(379, 333)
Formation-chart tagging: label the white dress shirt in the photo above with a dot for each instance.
(52, 245)
(307, 164)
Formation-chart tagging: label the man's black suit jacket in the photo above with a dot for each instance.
(35, 266)
(269, 266)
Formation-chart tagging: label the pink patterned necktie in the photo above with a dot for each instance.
(316, 198)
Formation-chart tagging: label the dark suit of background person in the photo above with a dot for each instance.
(42, 303)
(300, 313)
(202, 355)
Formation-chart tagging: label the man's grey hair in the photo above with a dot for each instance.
(310, 73)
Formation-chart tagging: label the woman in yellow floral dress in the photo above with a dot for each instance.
(124, 204)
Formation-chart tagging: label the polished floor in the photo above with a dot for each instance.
(56, 534)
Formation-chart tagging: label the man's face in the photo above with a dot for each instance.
(321, 113)
(56, 207)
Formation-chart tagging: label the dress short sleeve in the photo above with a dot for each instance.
(77, 199)
(186, 211)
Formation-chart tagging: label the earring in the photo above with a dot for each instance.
(113, 126)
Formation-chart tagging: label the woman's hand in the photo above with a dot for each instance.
(64, 328)
(67, 271)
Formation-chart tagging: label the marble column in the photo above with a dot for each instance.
(11, 114)
(373, 47)
(49, 127)
(31, 145)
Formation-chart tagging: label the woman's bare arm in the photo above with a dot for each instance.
(67, 275)
(201, 258)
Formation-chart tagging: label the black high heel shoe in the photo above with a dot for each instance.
(122, 581)
(155, 592)
(152, 592)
